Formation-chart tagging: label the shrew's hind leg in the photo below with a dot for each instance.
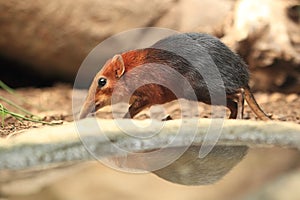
(235, 103)
(233, 107)
(241, 102)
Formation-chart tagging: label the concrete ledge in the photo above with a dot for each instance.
(48, 146)
(62, 143)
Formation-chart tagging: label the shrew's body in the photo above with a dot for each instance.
(209, 66)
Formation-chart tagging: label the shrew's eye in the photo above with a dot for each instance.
(102, 82)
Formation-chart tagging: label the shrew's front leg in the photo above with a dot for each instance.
(137, 106)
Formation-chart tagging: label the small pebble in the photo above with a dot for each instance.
(282, 117)
(292, 97)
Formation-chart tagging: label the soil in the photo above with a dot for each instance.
(54, 104)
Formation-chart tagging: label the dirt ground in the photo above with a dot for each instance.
(54, 104)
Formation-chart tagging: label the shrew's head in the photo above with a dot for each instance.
(102, 87)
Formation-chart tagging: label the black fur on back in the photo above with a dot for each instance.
(198, 55)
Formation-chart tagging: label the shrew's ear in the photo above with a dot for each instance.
(118, 65)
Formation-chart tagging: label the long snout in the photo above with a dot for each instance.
(86, 109)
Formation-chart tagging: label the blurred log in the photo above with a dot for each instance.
(266, 33)
(53, 37)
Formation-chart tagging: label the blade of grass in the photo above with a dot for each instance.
(3, 114)
(4, 111)
(22, 117)
(18, 107)
(14, 93)
(7, 88)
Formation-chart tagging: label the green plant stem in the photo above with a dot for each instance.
(7, 88)
(4, 111)
(2, 114)
(18, 107)
(19, 116)
(14, 93)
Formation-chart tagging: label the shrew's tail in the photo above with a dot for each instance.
(254, 106)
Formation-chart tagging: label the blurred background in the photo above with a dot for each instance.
(44, 42)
